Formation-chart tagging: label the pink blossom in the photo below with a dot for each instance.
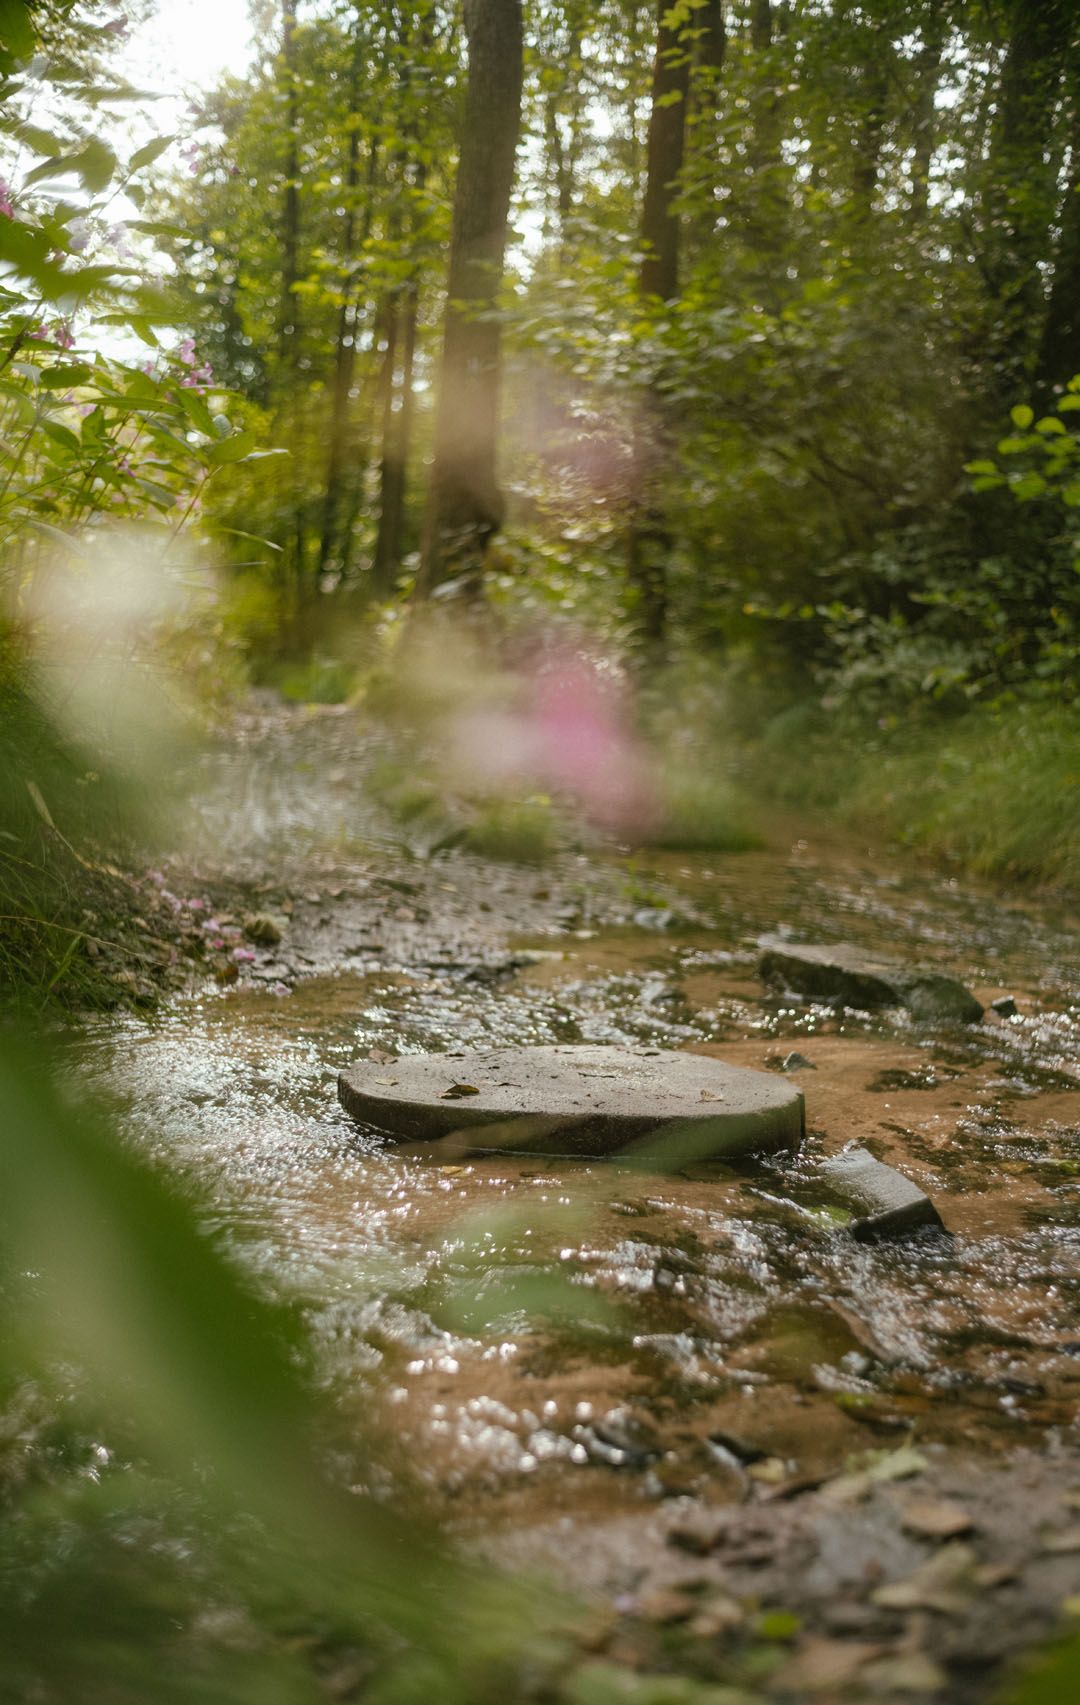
(6, 206)
(243, 955)
(571, 734)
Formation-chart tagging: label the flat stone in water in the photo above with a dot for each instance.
(843, 972)
(578, 1100)
(883, 1201)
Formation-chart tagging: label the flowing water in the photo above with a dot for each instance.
(546, 1335)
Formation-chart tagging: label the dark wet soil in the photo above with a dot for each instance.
(693, 1396)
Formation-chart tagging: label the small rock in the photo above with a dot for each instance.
(697, 1537)
(742, 1449)
(795, 1062)
(1005, 1007)
(885, 1203)
(665, 1605)
(846, 974)
(988, 1576)
(262, 929)
(822, 1665)
(654, 917)
(936, 1518)
(937, 1585)
(719, 1616)
(771, 1471)
(909, 1672)
(1063, 1544)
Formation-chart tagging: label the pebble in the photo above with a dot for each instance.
(936, 1518)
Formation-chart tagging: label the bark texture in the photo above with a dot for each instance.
(465, 506)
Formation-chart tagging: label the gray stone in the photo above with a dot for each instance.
(884, 1203)
(578, 1100)
(846, 974)
(796, 1062)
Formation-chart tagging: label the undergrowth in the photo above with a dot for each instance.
(995, 790)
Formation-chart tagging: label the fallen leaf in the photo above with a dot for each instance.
(385, 1080)
(458, 1090)
(936, 1518)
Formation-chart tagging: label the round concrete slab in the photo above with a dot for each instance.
(577, 1100)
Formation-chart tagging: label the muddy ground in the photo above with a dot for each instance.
(761, 1454)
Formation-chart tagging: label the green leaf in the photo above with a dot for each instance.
(232, 449)
(196, 410)
(1069, 404)
(1029, 486)
(1022, 416)
(238, 533)
(980, 467)
(16, 28)
(62, 435)
(64, 378)
(1049, 424)
(150, 152)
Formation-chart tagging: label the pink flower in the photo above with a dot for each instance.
(6, 207)
(572, 734)
(243, 955)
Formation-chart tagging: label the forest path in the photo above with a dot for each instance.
(695, 1392)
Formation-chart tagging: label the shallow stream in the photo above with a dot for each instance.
(550, 1335)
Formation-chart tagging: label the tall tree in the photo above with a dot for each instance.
(1021, 194)
(465, 506)
(649, 539)
(1058, 358)
(356, 230)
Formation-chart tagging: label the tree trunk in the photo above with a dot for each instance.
(288, 330)
(330, 555)
(1022, 183)
(290, 213)
(648, 544)
(659, 273)
(465, 507)
(1059, 345)
(397, 436)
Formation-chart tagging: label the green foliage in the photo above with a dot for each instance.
(994, 789)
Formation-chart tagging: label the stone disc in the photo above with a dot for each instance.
(577, 1100)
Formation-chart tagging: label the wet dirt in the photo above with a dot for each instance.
(582, 1359)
